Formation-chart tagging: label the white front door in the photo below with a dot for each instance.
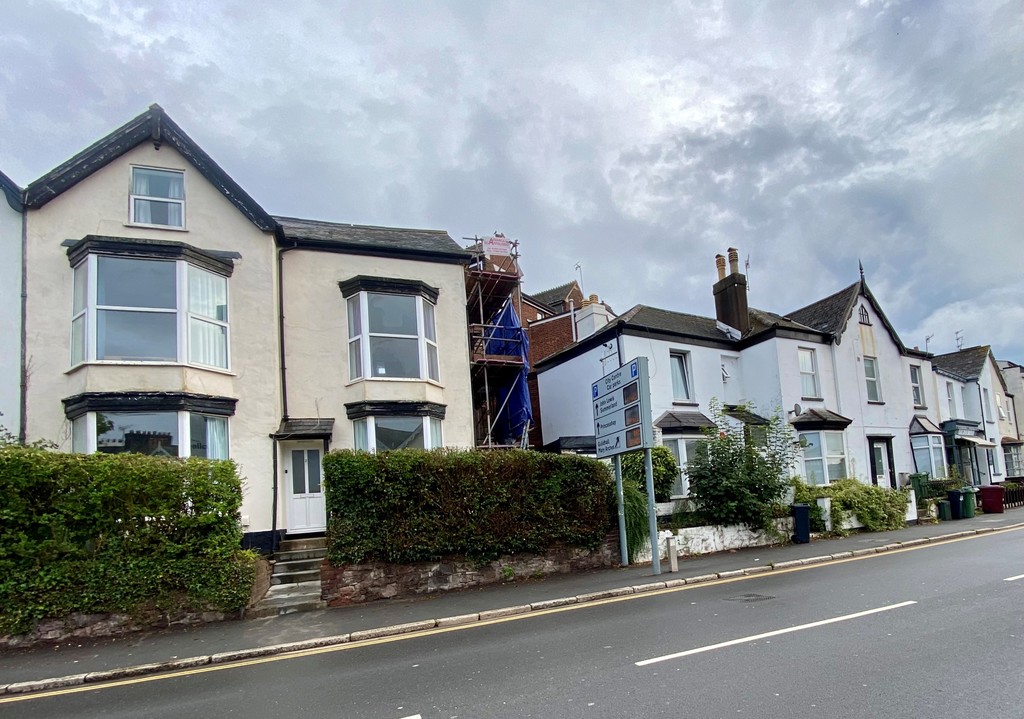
(303, 478)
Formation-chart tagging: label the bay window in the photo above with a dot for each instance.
(392, 332)
(1013, 457)
(824, 456)
(379, 434)
(929, 454)
(683, 449)
(168, 424)
(132, 309)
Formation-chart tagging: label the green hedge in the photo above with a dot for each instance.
(412, 505)
(124, 532)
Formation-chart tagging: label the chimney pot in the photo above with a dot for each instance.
(720, 264)
(734, 261)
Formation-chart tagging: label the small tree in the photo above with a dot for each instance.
(665, 471)
(736, 475)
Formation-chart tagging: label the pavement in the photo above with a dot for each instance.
(90, 661)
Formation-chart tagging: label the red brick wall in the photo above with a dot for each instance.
(549, 337)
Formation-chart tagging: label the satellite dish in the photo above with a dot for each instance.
(798, 410)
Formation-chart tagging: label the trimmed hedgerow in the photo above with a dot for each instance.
(126, 532)
(413, 505)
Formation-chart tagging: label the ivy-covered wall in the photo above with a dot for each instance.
(117, 533)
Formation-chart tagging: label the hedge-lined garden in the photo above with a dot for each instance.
(411, 505)
(117, 533)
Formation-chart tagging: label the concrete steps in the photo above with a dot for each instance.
(295, 581)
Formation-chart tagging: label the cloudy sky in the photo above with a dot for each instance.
(638, 139)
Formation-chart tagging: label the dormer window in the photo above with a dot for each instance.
(158, 197)
(865, 319)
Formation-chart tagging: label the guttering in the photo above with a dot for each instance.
(23, 332)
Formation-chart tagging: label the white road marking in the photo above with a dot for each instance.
(1014, 579)
(775, 633)
(413, 716)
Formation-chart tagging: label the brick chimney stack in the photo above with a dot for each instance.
(731, 293)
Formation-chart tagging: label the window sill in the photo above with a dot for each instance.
(812, 399)
(921, 406)
(875, 401)
(135, 363)
(435, 383)
(156, 227)
(684, 403)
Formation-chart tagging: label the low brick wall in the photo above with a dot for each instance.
(355, 583)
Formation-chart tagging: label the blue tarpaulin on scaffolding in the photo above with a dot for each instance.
(507, 337)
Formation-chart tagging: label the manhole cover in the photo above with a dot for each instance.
(750, 598)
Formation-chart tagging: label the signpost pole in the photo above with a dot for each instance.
(623, 549)
(652, 517)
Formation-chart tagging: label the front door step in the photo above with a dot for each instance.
(288, 599)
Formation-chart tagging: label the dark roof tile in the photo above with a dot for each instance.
(966, 364)
(372, 240)
(829, 314)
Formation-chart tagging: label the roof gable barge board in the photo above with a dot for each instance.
(12, 192)
(154, 126)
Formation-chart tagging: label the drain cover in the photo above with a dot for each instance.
(750, 598)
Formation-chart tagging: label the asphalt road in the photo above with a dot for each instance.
(935, 631)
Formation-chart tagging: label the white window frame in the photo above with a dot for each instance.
(872, 379)
(677, 445)
(681, 358)
(993, 462)
(999, 406)
(84, 348)
(826, 454)
(366, 427)
(132, 197)
(812, 373)
(933, 446)
(916, 387)
(1013, 459)
(86, 443)
(358, 345)
(951, 399)
(987, 409)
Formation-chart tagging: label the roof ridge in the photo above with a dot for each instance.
(356, 225)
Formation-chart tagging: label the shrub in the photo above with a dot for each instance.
(878, 508)
(638, 530)
(737, 476)
(106, 533)
(414, 505)
(664, 468)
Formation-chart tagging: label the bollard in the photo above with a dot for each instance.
(673, 555)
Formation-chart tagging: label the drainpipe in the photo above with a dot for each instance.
(835, 376)
(284, 389)
(572, 318)
(23, 399)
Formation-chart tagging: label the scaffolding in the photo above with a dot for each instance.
(492, 281)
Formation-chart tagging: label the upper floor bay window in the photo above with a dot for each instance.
(915, 385)
(392, 336)
(871, 378)
(808, 374)
(157, 197)
(128, 309)
(682, 389)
